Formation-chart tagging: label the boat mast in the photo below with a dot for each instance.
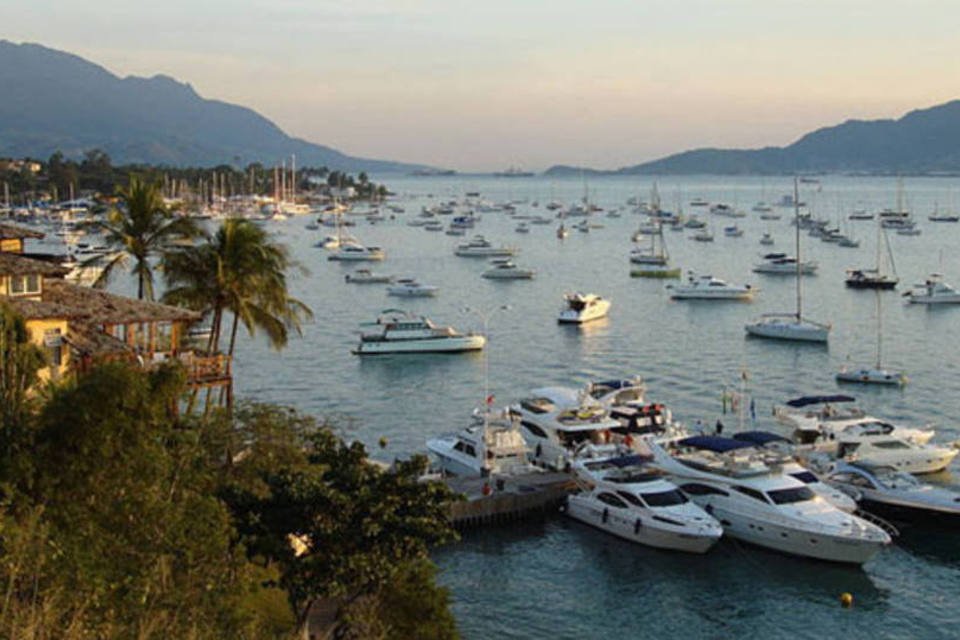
(796, 224)
(879, 329)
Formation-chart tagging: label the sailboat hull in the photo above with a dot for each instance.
(796, 331)
(871, 284)
(872, 376)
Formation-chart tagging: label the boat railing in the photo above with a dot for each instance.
(891, 530)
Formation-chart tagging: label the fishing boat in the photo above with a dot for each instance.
(398, 331)
(785, 326)
(491, 445)
(934, 290)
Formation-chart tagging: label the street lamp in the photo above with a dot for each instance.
(485, 317)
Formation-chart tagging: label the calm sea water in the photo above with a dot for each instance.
(557, 578)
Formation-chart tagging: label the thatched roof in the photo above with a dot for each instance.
(93, 342)
(12, 264)
(9, 231)
(32, 309)
(100, 307)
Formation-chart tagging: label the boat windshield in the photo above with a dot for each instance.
(789, 496)
(664, 498)
(805, 477)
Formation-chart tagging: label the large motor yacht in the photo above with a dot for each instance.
(758, 504)
(826, 417)
(480, 247)
(491, 445)
(400, 332)
(582, 307)
(890, 451)
(783, 264)
(410, 288)
(706, 287)
(560, 423)
(624, 496)
(356, 252)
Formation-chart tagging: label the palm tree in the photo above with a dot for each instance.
(241, 271)
(141, 228)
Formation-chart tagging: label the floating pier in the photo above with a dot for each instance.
(505, 499)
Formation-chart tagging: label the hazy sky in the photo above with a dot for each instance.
(486, 84)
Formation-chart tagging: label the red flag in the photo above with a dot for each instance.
(490, 399)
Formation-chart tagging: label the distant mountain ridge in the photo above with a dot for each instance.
(53, 100)
(922, 141)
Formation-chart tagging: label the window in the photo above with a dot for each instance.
(694, 489)
(664, 498)
(534, 429)
(753, 493)
(629, 497)
(612, 500)
(21, 285)
(891, 444)
(470, 451)
(789, 496)
(805, 477)
(53, 342)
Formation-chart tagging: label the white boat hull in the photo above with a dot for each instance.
(872, 376)
(801, 332)
(589, 314)
(427, 345)
(648, 532)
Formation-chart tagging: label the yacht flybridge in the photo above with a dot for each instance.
(827, 417)
(401, 332)
(624, 496)
(579, 308)
(760, 504)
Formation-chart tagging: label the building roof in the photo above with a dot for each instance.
(12, 264)
(9, 231)
(33, 309)
(100, 307)
(93, 342)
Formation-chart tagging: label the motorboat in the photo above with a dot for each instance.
(725, 210)
(897, 495)
(816, 418)
(870, 279)
(365, 276)
(618, 392)
(505, 269)
(397, 331)
(760, 504)
(766, 239)
(783, 264)
(410, 288)
(480, 247)
(624, 496)
(693, 222)
(706, 287)
(703, 235)
(776, 450)
(491, 445)
(733, 231)
(887, 450)
(579, 308)
(933, 291)
(523, 227)
(561, 423)
(791, 326)
(355, 252)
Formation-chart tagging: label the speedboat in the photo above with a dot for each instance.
(620, 392)
(365, 276)
(788, 326)
(624, 496)
(579, 308)
(761, 505)
(825, 417)
(706, 287)
(354, 251)
(491, 445)
(505, 269)
(870, 279)
(561, 423)
(401, 332)
(480, 247)
(933, 291)
(895, 494)
(781, 263)
(410, 288)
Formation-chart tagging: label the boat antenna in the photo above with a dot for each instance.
(796, 223)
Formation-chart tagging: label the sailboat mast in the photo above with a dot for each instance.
(796, 224)
(879, 330)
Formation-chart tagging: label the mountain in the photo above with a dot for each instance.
(922, 141)
(54, 100)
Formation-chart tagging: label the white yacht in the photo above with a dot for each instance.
(781, 263)
(401, 332)
(560, 423)
(365, 276)
(505, 269)
(895, 494)
(766, 239)
(491, 445)
(624, 496)
(760, 505)
(706, 287)
(410, 288)
(890, 451)
(579, 308)
(480, 247)
(825, 417)
(355, 252)
(619, 392)
(933, 291)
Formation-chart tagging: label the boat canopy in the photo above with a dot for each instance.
(759, 438)
(808, 400)
(628, 461)
(714, 443)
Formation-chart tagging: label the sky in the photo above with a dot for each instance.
(486, 84)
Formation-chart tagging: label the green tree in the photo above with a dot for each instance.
(20, 362)
(241, 271)
(141, 228)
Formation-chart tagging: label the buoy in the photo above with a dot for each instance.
(846, 600)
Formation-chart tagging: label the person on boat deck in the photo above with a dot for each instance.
(699, 426)
(719, 427)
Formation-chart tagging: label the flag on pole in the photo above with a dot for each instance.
(489, 399)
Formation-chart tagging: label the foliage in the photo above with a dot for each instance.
(20, 361)
(239, 270)
(141, 228)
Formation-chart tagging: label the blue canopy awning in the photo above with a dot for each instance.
(714, 443)
(808, 400)
(759, 438)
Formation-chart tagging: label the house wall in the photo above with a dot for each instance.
(11, 245)
(38, 332)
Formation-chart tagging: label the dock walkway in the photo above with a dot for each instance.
(507, 499)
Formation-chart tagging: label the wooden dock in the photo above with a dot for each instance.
(494, 500)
